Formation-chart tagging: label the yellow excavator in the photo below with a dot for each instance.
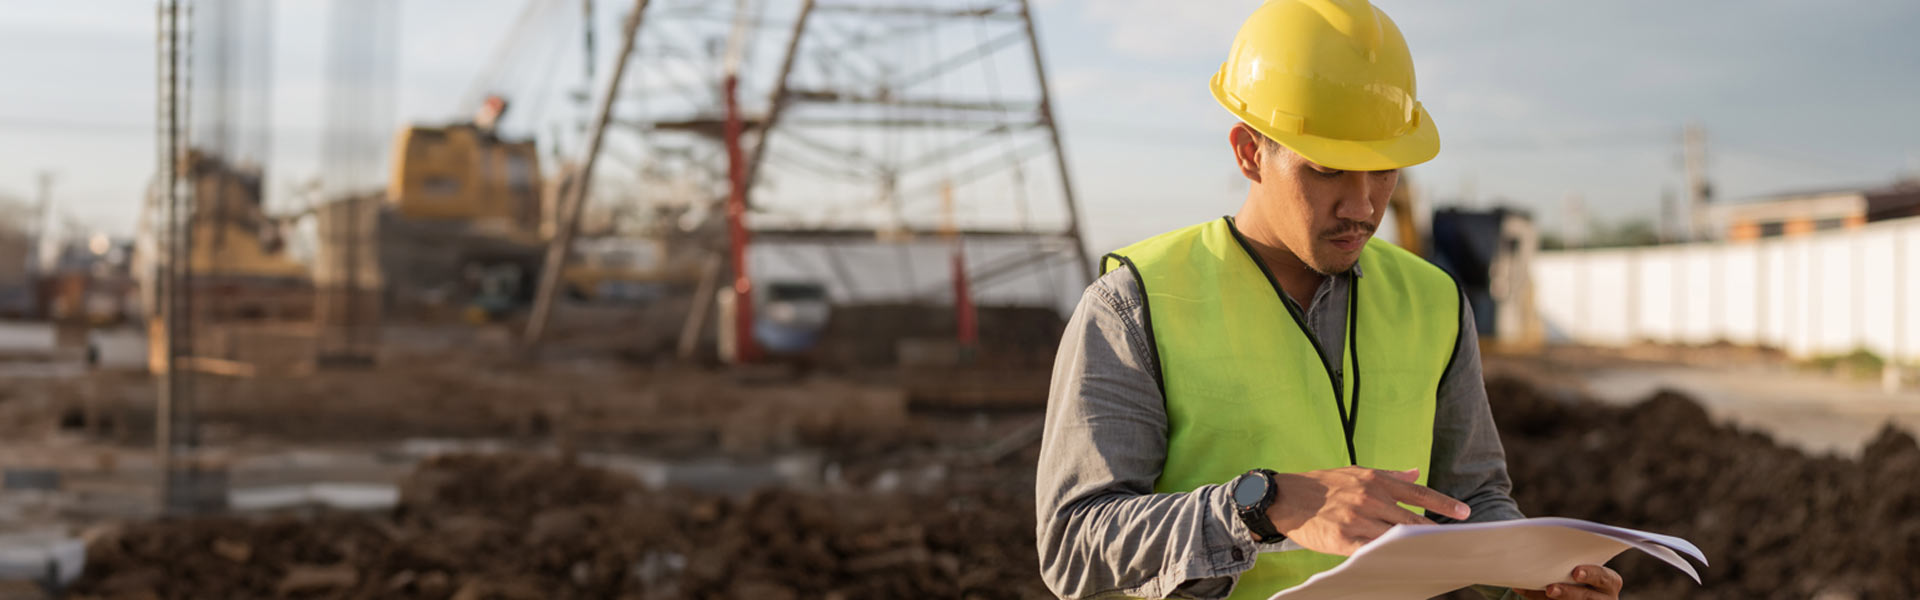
(467, 172)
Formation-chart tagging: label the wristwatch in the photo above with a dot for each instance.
(1253, 492)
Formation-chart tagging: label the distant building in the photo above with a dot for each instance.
(1806, 212)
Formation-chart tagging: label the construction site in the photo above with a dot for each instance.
(761, 299)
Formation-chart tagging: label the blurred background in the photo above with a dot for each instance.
(730, 298)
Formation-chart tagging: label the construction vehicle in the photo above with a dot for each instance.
(233, 238)
(482, 201)
(793, 315)
(466, 172)
(241, 273)
(1490, 254)
(497, 291)
(463, 208)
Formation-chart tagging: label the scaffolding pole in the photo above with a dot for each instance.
(571, 206)
(175, 426)
(1059, 151)
(780, 96)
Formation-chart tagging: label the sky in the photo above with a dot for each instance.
(1536, 102)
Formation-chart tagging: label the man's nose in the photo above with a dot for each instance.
(1356, 198)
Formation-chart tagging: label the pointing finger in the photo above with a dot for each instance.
(1424, 497)
(1392, 514)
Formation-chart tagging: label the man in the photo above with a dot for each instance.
(1238, 405)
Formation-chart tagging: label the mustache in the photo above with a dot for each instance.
(1348, 228)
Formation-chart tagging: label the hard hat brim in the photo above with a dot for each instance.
(1418, 145)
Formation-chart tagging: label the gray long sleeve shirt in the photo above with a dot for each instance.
(1103, 532)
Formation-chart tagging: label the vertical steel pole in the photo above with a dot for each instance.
(738, 238)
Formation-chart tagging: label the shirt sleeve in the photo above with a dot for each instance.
(1468, 461)
(1101, 530)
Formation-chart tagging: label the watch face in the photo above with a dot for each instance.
(1249, 490)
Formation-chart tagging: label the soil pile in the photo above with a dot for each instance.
(474, 527)
(1775, 522)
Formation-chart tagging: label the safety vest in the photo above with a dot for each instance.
(1245, 385)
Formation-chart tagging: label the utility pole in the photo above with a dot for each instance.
(42, 207)
(586, 35)
(1574, 228)
(1700, 192)
(1669, 224)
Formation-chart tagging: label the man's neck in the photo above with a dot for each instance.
(1299, 281)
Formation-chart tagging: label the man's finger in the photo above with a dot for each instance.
(1569, 591)
(1424, 497)
(1409, 475)
(1599, 578)
(1392, 514)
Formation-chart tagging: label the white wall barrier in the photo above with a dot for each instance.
(1823, 294)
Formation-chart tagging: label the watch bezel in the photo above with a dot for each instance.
(1255, 516)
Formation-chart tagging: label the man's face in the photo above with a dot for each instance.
(1324, 216)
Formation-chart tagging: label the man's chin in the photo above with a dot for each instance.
(1332, 271)
(1333, 263)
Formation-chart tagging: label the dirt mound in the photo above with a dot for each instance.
(1774, 521)
(511, 487)
(223, 557)
(474, 527)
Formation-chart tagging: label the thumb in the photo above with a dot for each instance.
(1409, 475)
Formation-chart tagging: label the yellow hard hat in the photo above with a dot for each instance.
(1333, 81)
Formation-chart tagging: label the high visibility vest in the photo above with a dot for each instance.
(1245, 385)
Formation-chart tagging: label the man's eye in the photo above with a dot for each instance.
(1329, 174)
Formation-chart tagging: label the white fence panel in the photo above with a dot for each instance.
(1653, 275)
(1737, 287)
(1829, 293)
(1607, 302)
(1557, 286)
(1834, 298)
(1906, 291)
(1876, 318)
(1701, 287)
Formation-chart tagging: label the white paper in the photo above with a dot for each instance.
(1412, 562)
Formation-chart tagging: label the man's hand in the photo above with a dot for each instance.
(1337, 511)
(1590, 582)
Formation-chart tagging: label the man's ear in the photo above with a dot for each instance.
(1246, 150)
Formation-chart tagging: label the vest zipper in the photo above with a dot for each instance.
(1300, 320)
(1353, 349)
